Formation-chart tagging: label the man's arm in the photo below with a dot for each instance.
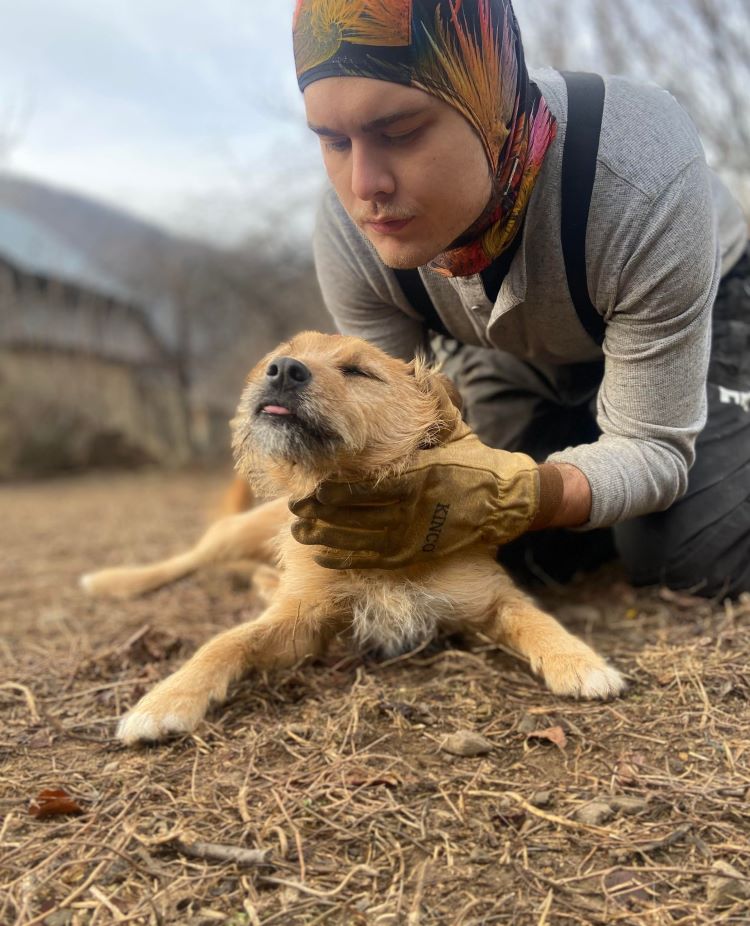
(652, 401)
(572, 507)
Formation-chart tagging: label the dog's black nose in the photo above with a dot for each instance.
(287, 372)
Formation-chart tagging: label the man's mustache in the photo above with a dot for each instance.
(389, 215)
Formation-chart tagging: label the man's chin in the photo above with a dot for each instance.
(403, 256)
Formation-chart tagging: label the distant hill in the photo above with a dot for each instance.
(93, 227)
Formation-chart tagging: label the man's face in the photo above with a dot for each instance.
(409, 169)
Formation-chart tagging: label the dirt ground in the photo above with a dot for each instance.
(634, 811)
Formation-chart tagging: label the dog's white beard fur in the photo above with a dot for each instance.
(256, 442)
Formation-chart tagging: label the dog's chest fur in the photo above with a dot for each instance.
(393, 615)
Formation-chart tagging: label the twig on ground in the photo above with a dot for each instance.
(215, 852)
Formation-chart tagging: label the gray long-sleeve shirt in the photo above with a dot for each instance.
(662, 230)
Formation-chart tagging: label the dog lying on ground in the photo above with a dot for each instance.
(332, 407)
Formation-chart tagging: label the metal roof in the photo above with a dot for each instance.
(35, 249)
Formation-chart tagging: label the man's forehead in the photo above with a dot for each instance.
(361, 103)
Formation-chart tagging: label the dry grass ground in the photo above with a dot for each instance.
(338, 769)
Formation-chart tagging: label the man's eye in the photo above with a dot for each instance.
(354, 371)
(402, 139)
(341, 144)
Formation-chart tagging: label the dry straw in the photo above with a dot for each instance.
(322, 795)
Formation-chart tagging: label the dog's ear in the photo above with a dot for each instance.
(450, 388)
(431, 380)
(448, 403)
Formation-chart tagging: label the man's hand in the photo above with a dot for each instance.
(452, 496)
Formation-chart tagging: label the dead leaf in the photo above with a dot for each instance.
(629, 767)
(554, 735)
(53, 802)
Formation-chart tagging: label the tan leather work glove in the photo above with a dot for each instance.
(452, 496)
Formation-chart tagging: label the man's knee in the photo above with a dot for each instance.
(657, 550)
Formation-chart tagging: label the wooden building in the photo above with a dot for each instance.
(84, 377)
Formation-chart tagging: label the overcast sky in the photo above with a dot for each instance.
(187, 113)
(184, 111)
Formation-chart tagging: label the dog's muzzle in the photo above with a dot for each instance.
(283, 387)
(286, 373)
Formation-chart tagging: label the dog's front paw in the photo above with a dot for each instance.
(166, 710)
(580, 673)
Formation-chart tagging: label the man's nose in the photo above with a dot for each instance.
(287, 373)
(372, 177)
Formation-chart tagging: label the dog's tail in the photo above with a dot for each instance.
(250, 535)
(237, 498)
(131, 581)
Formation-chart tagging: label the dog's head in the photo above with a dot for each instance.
(333, 407)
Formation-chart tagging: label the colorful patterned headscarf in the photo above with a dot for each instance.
(467, 53)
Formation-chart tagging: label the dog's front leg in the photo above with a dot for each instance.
(568, 665)
(281, 636)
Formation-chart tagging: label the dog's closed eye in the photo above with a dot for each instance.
(352, 370)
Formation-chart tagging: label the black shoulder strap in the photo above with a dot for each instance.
(414, 289)
(585, 108)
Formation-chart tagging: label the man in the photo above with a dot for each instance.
(446, 155)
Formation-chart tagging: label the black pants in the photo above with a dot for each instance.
(700, 544)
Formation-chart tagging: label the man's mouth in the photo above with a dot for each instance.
(387, 226)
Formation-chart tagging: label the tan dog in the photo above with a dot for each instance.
(347, 412)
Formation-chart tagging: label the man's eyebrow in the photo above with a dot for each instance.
(374, 126)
